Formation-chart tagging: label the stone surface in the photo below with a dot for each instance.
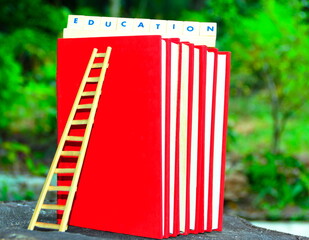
(15, 217)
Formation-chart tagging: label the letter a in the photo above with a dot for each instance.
(140, 24)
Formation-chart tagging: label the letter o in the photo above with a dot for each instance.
(190, 28)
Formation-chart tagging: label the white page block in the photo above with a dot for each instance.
(207, 134)
(194, 139)
(183, 136)
(173, 114)
(163, 100)
(218, 139)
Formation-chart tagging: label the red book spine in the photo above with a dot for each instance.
(199, 227)
(225, 122)
(167, 137)
(176, 203)
(212, 133)
(189, 135)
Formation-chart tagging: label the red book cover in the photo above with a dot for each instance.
(226, 66)
(173, 102)
(167, 135)
(183, 137)
(210, 110)
(168, 63)
(120, 188)
(189, 134)
(176, 186)
(194, 126)
(199, 226)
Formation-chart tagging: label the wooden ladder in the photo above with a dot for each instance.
(65, 138)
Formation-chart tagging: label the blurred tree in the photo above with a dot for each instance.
(35, 14)
(28, 33)
(273, 53)
(115, 8)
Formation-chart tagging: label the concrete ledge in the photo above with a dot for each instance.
(15, 217)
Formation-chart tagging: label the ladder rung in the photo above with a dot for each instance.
(53, 206)
(70, 153)
(64, 170)
(93, 79)
(47, 225)
(84, 106)
(79, 122)
(97, 65)
(74, 138)
(88, 93)
(59, 188)
(101, 55)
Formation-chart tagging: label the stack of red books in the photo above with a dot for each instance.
(155, 162)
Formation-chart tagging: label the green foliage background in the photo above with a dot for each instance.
(268, 138)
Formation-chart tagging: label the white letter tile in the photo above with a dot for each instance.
(191, 28)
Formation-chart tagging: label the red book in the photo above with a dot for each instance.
(224, 137)
(176, 221)
(189, 134)
(183, 136)
(174, 126)
(121, 184)
(170, 112)
(208, 142)
(197, 151)
(155, 162)
(220, 132)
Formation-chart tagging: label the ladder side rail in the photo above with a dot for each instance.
(68, 207)
(61, 145)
